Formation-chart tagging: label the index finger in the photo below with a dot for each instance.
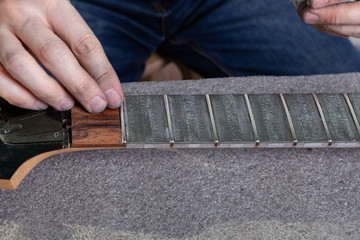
(88, 51)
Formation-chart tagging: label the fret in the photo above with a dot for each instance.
(168, 118)
(122, 120)
(212, 119)
(306, 120)
(232, 120)
(271, 121)
(288, 115)
(353, 101)
(146, 120)
(323, 120)
(252, 119)
(338, 118)
(191, 122)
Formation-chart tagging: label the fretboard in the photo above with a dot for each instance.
(231, 121)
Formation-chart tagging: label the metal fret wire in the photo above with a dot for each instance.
(252, 119)
(212, 119)
(326, 127)
(352, 111)
(123, 126)
(168, 116)
(287, 112)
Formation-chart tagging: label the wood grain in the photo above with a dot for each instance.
(95, 130)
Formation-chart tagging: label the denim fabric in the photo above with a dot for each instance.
(216, 38)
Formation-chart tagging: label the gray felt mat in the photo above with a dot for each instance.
(194, 193)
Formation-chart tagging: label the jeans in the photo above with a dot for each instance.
(216, 38)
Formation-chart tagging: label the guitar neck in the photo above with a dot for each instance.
(240, 120)
(184, 121)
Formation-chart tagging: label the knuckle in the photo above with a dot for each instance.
(47, 96)
(334, 19)
(16, 100)
(337, 17)
(86, 45)
(82, 87)
(14, 62)
(103, 76)
(50, 49)
(29, 23)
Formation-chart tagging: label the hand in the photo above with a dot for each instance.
(336, 17)
(52, 32)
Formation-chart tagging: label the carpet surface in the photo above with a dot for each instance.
(194, 193)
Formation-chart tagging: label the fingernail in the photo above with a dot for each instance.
(310, 18)
(97, 104)
(319, 3)
(66, 104)
(41, 105)
(114, 99)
